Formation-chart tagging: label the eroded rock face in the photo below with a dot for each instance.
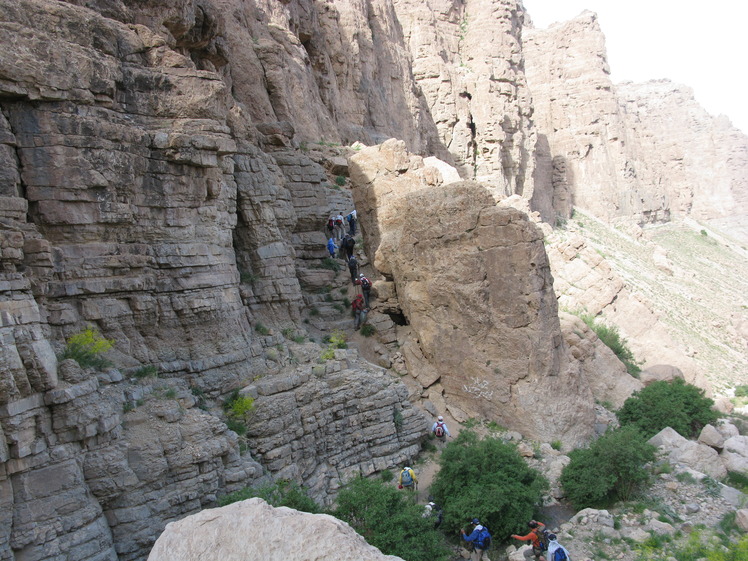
(253, 529)
(473, 280)
(467, 60)
(644, 151)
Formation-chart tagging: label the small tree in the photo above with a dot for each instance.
(489, 480)
(668, 404)
(389, 520)
(612, 468)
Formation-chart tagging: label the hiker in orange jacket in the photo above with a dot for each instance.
(535, 536)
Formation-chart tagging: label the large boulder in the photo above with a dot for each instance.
(253, 529)
(660, 373)
(473, 282)
(711, 437)
(735, 454)
(695, 455)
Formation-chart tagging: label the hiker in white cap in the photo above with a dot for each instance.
(440, 430)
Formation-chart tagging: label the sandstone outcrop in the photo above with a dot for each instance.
(253, 529)
(473, 282)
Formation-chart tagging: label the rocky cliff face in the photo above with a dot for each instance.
(165, 172)
(646, 152)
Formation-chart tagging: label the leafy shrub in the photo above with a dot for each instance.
(87, 348)
(487, 479)
(389, 520)
(237, 406)
(668, 404)
(613, 340)
(237, 426)
(261, 329)
(330, 263)
(280, 493)
(741, 391)
(248, 278)
(556, 445)
(368, 330)
(612, 468)
(340, 180)
(146, 372)
(386, 476)
(738, 480)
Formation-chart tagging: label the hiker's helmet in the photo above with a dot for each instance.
(440, 418)
(475, 521)
(532, 524)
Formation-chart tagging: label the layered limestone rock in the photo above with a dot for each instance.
(473, 282)
(326, 423)
(253, 529)
(641, 151)
(467, 60)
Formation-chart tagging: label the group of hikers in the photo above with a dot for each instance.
(545, 546)
(341, 244)
(336, 225)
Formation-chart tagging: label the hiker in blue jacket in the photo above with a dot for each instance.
(480, 538)
(331, 246)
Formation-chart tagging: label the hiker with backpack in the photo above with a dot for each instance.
(351, 218)
(359, 311)
(433, 510)
(407, 479)
(331, 246)
(353, 268)
(556, 551)
(440, 430)
(479, 537)
(348, 244)
(339, 230)
(538, 536)
(365, 287)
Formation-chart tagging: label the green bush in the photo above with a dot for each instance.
(611, 469)
(261, 329)
(340, 180)
(368, 330)
(146, 372)
(613, 340)
(87, 349)
(330, 263)
(390, 520)
(238, 406)
(280, 493)
(741, 391)
(487, 479)
(668, 404)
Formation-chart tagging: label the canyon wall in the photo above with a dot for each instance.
(166, 169)
(644, 152)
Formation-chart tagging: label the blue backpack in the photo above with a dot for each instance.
(560, 555)
(484, 539)
(407, 479)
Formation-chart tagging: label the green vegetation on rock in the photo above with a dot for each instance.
(87, 349)
(390, 520)
(611, 469)
(673, 404)
(487, 479)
